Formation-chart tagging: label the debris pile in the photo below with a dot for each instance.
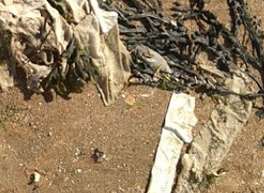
(56, 50)
(168, 54)
(202, 162)
(61, 44)
(208, 58)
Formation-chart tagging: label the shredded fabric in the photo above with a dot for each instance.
(62, 44)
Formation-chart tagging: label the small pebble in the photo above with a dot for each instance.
(49, 134)
(78, 171)
(261, 142)
(130, 100)
(98, 156)
(262, 174)
(260, 114)
(35, 178)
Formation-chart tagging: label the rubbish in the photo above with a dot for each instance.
(182, 47)
(180, 116)
(107, 20)
(56, 49)
(178, 123)
(65, 52)
(214, 140)
(153, 59)
(6, 80)
(62, 44)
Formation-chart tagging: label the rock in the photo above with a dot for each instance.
(78, 171)
(98, 156)
(130, 100)
(50, 134)
(35, 178)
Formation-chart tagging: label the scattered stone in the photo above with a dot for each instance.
(261, 142)
(262, 174)
(98, 156)
(34, 178)
(121, 189)
(77, 152)
(258, 103)
(50, 134)
(130, 100)
(145, 95)
(260, 114)
(78, 171)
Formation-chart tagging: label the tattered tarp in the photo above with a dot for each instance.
(56, 42)
(190, 169)
(203, 160)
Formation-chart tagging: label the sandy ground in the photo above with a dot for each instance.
(57, 139)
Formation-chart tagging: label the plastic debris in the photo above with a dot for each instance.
(178, 123)
(6, 79)
(214, 140)
(180, 116)
(153, 59)
(61, 44)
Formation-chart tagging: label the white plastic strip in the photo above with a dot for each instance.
(179, 120)
(180, 117)
(106, 19)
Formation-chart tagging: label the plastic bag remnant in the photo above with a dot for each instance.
(6, 80)
(60, 42)
(180, 119)
(214, 140)
(152, 59)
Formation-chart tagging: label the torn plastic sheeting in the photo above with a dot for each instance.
(6, 80)
(153, 59)
(75, 37)
(180, 116)
(106, 19)
(179, 121)
(214, 140)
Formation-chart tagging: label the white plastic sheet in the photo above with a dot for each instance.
(215, 138)
(180, 119)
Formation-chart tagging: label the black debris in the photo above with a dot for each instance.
(181, 46)
(98, 156)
